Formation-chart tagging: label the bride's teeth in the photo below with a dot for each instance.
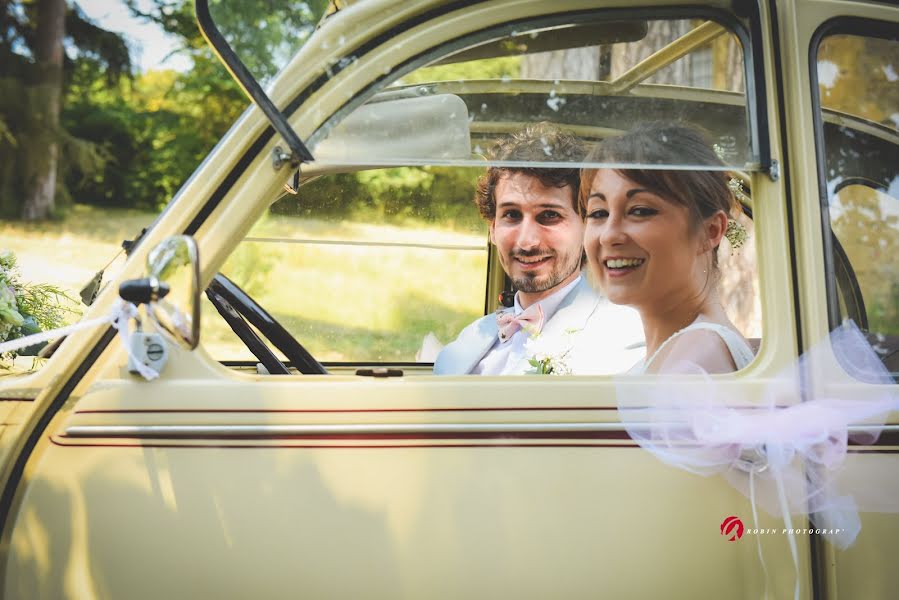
(620, 263)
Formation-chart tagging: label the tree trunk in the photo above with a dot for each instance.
(659, 35)
(46, 94)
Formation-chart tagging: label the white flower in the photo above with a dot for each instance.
(548, 356)
(9, 310)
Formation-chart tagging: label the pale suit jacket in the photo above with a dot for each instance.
(603, 338)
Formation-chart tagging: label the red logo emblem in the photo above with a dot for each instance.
(733, 527)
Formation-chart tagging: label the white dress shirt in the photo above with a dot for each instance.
(505, 358)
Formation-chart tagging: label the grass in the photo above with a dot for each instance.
(342, 302)
(356, 302)
(69, 252)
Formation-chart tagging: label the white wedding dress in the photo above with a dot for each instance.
(739, 350)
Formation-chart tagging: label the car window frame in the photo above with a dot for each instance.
(754, 90)
(836, 262)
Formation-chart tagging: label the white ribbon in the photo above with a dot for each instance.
(120, 318)
(46, 336)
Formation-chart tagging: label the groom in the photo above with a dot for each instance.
(538, 232)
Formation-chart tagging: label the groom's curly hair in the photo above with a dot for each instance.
(537, 143)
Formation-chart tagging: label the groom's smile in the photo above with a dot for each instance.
(532, 262)
(538, 235)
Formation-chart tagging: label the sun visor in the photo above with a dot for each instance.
(390, 131)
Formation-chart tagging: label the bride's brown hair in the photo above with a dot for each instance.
(703, 192)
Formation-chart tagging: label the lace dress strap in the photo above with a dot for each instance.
(739, 350)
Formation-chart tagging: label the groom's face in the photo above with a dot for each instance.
(538, 234)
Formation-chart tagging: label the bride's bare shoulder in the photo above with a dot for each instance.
(694, 351)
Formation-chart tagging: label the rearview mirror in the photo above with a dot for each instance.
(175, 264)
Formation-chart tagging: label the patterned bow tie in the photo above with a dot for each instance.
(531, 320)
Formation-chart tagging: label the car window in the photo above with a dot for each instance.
(858, 89)
(368, 267)
(382, 257)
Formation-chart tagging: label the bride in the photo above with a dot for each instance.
(651, 241)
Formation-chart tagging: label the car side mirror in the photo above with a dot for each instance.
(175, 263)
(171, 289)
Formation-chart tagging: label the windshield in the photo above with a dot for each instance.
(452, 109)
(591, 73)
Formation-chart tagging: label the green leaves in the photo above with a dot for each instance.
(27, 308)
(541, 366)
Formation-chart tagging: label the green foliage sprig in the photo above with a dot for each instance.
(27, 308)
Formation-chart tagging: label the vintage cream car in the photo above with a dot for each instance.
(305, 449)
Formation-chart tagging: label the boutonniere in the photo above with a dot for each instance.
(549, 356)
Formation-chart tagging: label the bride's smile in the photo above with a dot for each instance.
(651, 238)
(640, 243)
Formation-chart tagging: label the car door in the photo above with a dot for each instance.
(227, 481)
(845, 91)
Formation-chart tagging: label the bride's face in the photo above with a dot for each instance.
(640, 246)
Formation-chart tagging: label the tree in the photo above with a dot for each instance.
(34, 71)
(47, 86)
(264, 34)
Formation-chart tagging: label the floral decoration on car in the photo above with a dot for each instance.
(27, 308)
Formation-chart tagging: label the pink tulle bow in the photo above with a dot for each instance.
(788, 454)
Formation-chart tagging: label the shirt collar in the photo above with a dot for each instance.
(551, 302)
